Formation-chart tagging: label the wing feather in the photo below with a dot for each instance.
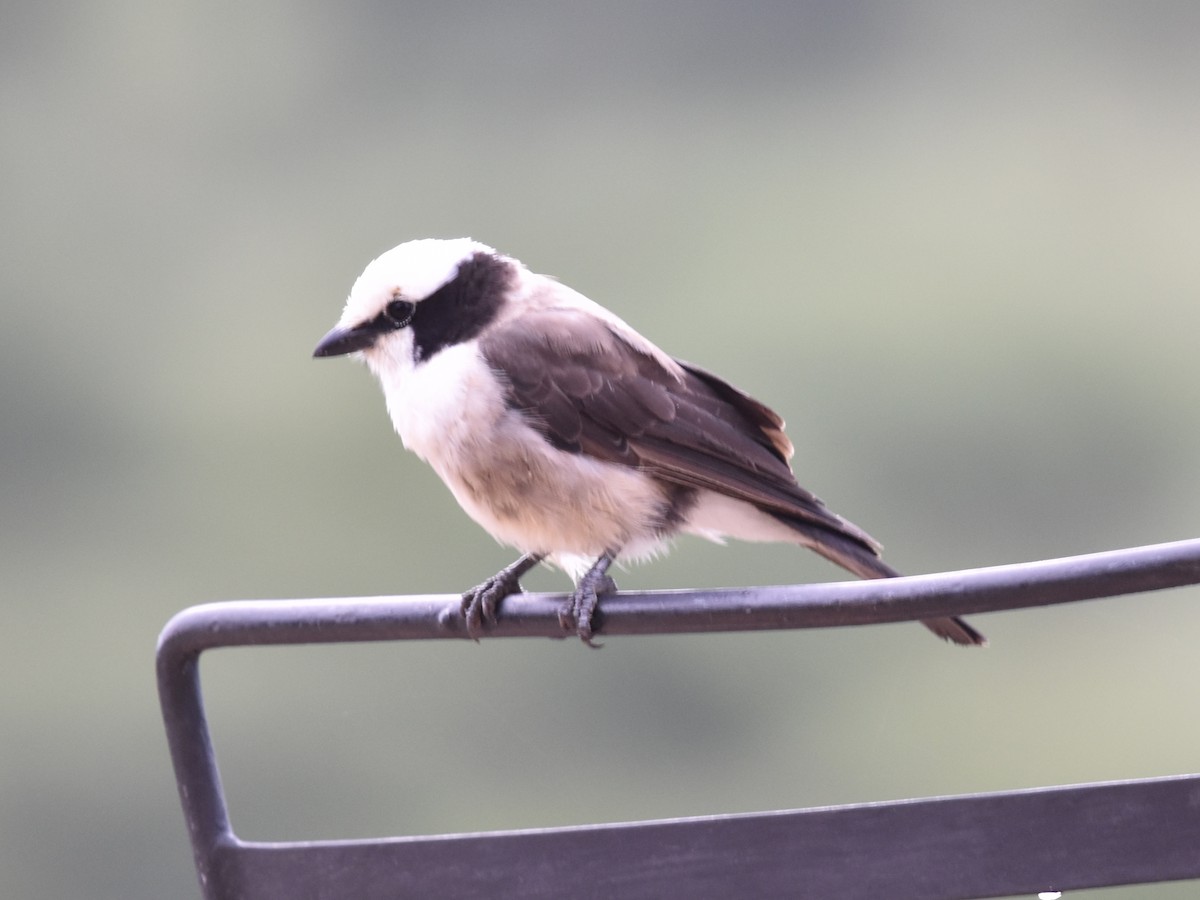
(590, 391)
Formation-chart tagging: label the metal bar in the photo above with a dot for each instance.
(986, 845)
(930, 845)
(1021, 585)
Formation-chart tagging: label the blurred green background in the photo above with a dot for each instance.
(954, 244)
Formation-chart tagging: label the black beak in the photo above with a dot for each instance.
(341, 341)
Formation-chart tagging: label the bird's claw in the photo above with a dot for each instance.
(577, 613)
(478, 606)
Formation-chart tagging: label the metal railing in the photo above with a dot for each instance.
(983, 845)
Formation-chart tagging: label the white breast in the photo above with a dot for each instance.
(438, 408)
(450, 411)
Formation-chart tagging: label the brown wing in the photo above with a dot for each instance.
(590, 391)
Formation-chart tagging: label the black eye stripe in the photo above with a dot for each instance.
(462, 307)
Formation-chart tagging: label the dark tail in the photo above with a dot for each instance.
(863, 560)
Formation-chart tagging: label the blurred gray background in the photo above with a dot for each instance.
(955, 245)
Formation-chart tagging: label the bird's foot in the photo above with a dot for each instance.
(577, 613)
(479, 605)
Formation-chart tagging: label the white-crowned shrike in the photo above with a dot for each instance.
(568, 435)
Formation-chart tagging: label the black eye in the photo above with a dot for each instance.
(399, 313)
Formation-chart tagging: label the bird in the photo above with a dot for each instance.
(569, 436)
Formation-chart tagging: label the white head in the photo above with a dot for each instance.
(412, 272)
(419, 298)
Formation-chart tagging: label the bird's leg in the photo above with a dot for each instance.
(576, 615)
(479, 604)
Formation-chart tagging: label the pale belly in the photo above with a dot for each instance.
(524, 492)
